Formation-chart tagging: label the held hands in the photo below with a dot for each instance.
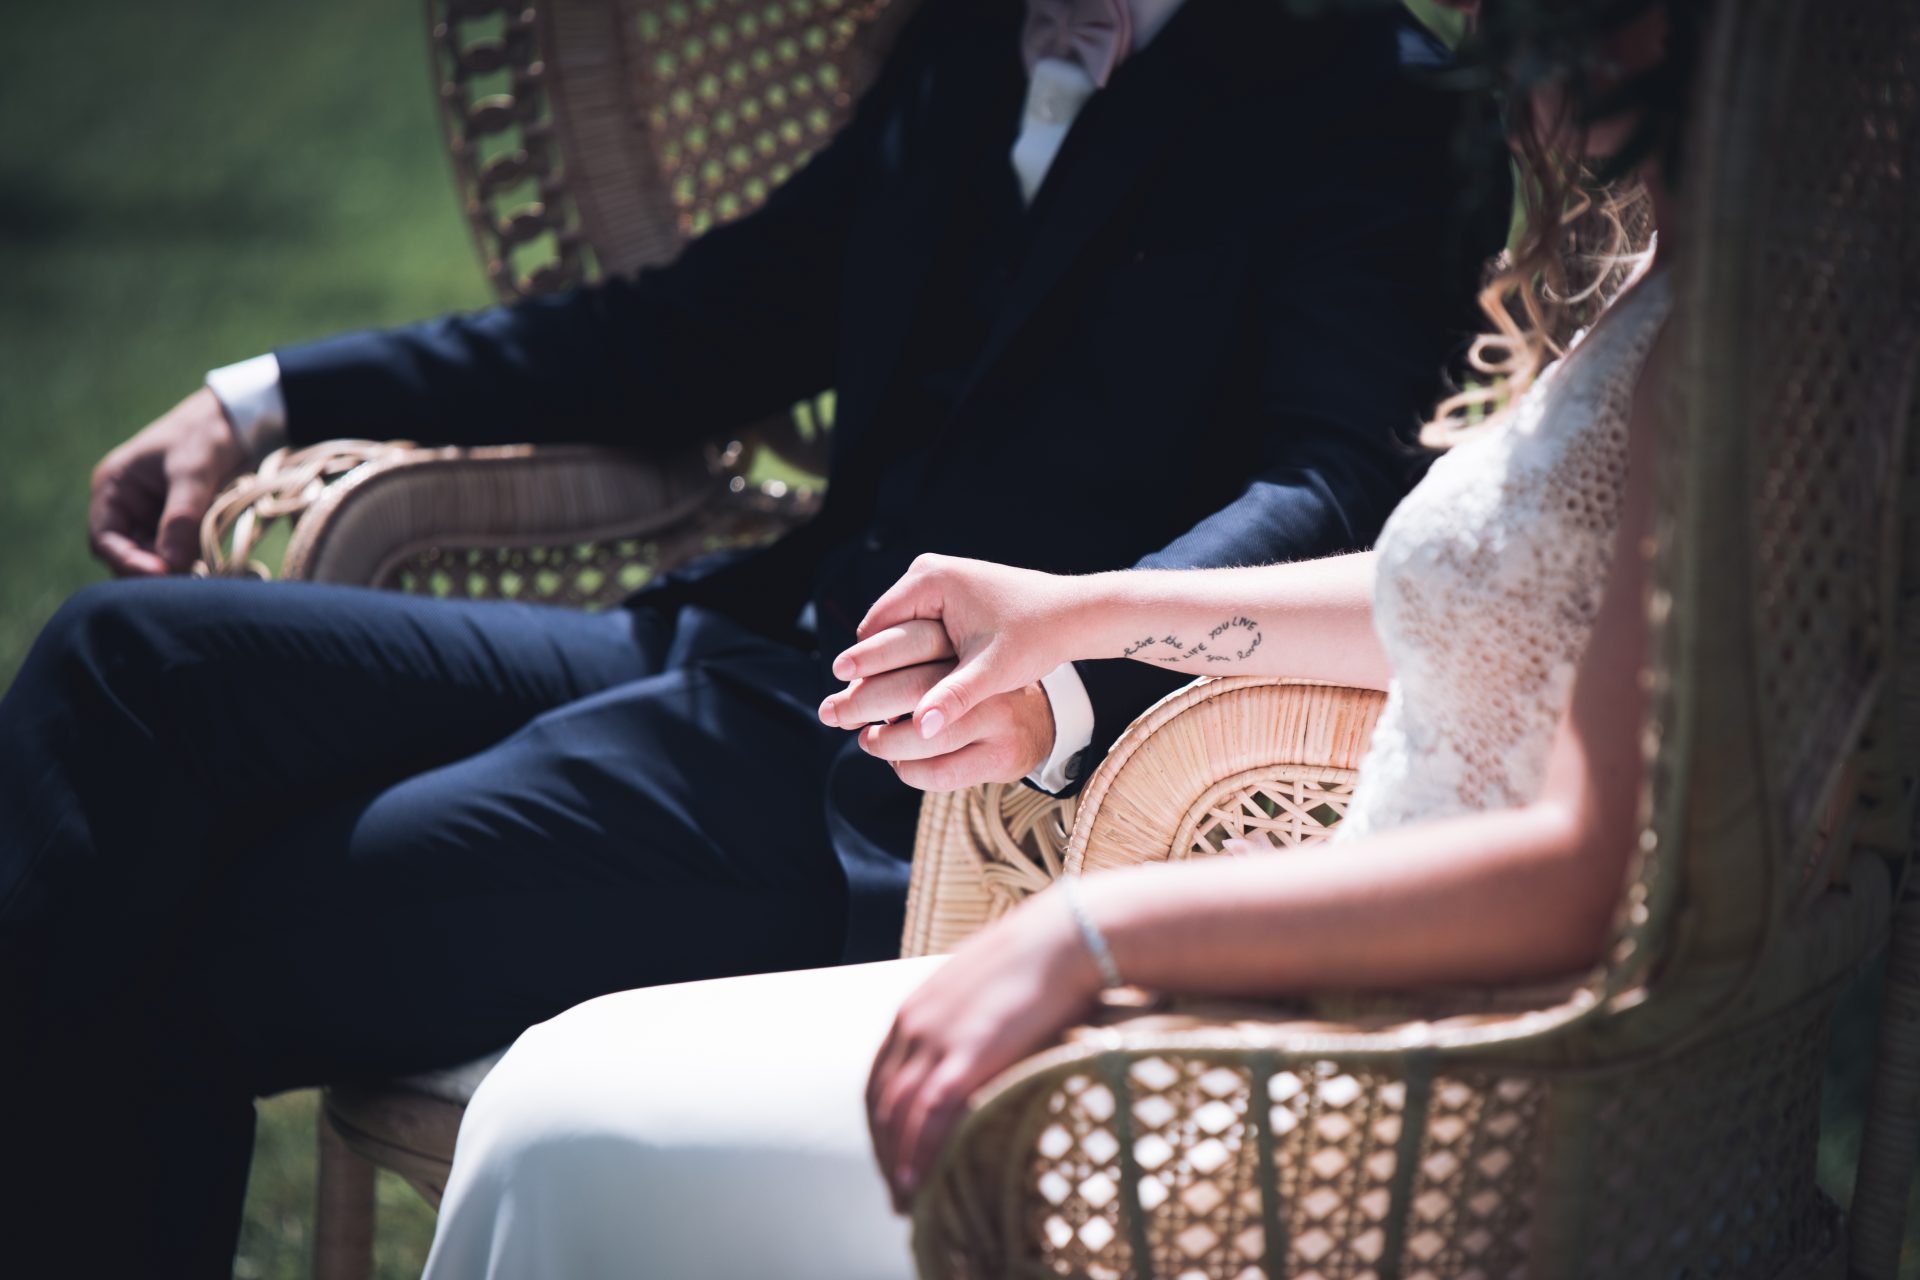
(1009, 991)
(960, 645)
(149, 495)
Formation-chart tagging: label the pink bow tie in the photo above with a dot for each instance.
(1094, 33)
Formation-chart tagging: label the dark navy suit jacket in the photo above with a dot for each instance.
(1207, 342)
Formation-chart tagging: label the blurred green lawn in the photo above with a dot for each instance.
(189, 183)
(181, 185)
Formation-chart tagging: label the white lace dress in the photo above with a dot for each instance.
(717, 1130)
(1488, 581)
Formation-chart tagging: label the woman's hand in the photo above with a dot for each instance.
(952, 634)
(1010, 990)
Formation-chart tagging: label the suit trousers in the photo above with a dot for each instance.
(261, 836)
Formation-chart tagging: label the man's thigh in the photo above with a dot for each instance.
(668, 829)
(159, 727)
(286, 689)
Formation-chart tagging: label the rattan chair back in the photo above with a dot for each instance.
(599, 136)
(1780, 546)
(1659, 1116)
(592, 137)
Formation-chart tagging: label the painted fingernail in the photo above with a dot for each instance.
(932, 723)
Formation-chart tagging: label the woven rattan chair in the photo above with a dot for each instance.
(1659, 1116)
(588, 137)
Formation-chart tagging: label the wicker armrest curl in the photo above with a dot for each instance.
(1220, 759)
(560, 524)
(1211, 761)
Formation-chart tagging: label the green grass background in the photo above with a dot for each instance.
(183, 184)
(188, 183)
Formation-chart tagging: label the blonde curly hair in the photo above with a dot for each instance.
(1579, 240)
(1577, 246)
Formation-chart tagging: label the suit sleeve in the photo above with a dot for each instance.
(1362, 291)
(741, 325)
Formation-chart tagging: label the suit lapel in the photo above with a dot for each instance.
(1121, 137)
(906, 226)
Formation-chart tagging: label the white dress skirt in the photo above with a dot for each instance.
(706, 1131)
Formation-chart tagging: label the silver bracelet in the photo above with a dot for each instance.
(1090, 933)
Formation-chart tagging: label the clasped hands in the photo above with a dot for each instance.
(944, 681)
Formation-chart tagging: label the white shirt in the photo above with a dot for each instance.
(250, 391)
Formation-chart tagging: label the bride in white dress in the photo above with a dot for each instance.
(772, 1126)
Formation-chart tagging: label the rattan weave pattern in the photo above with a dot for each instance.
(591, 136)
(1837, 315)
(498, 118)
(740, 93)
(1271, 757)
(584, 575)
(1286, 805)
(1732, 1192)
(1372, 1171)
(1019, 836)
(1250, 1167)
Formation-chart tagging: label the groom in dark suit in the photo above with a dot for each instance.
(254, 838)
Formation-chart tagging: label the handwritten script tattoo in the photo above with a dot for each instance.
(1232, 641)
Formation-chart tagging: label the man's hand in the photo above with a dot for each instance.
(150, 494)
(1004, 629)
(1001, 739)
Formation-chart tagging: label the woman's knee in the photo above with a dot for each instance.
(520, 1108)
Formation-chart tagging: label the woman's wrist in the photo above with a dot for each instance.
(1099, 615)
(1072, 972)
(1093, 939)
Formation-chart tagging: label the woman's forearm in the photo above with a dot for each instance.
(1312, 619)
(1495, 897)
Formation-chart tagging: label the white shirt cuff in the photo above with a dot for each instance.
(249, 393)
(1072, 730)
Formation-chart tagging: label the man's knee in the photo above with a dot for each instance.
(103, 627)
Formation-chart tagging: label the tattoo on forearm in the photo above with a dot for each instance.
(1232, 641)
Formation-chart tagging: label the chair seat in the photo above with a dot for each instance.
(409, 1124)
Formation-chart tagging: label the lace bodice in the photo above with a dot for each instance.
(1489, 579)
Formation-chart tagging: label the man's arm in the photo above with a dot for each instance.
(739, 326)
(742, 324)
(1365, 281)
(1361, 289)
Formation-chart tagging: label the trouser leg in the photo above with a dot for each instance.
(154, 733)
(158, 727)
(664, 829)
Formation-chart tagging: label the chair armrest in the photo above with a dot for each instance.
(1210, 761)
(1220, 759)
(393, 514)
(1244, 1141)
(1200, 1139)
(977, 854)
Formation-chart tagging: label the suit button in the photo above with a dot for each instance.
(874, 542)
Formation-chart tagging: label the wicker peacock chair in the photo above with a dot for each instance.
(1659, 1116)
(588, 137)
